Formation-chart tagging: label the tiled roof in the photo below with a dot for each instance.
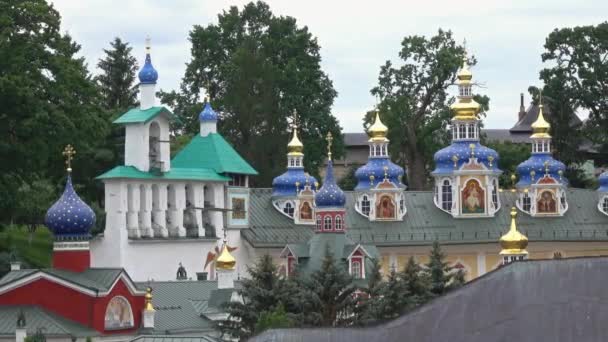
(136, 115)
(38, 318)
(212, 152)
(131, 172)
(424, 223)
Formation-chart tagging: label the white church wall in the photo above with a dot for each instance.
(136, 146)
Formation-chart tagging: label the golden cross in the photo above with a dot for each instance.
(68, 153)
(329, 139)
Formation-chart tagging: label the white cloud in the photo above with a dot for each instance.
(356, 37)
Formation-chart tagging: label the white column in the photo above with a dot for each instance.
(177, 203)
(225, 279)
(481, 264)
(159, 209)
(145, 212)
(20, 334)
(217, 217)
(198, 201)
(133, 211)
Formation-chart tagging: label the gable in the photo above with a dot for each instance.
(137, 115)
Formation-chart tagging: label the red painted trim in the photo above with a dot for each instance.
(76, 261)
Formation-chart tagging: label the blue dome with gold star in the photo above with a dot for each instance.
(603, 180)
(543, 165)
(207, 114)
(285, 184)
(458, 153)
(70, 218)
(376, 167)
(330, 195)
(147, 74)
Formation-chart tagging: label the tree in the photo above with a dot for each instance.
(258, 68)
(579, 72)
(395, 298)
(116, 80)
(32, 201)
(369, 307)
(416, 283)
(47, 100)
(511, 155)
(415, 103)
(261, 293)
(275, 319)
(349, 181)
(332, 293)
(439, 271)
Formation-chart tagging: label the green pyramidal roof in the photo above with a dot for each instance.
(136, 115)
(212, 152)
(173, 174)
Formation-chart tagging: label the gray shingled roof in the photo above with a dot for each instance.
(424, 223)
(536, 301)
(525, 124)
(36, 318)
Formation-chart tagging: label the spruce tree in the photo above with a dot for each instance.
(439, 271)
(116, 80)
(395, 298)
(368, 306)
(416, 282)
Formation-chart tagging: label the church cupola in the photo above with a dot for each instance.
(379, 189)
(208, 119)
(542, 185)
(513, 243)
(225, 267)
(466, 172)
(330, 200)
(293, 191)
(70, 220)
(603, 193)
(147, 81)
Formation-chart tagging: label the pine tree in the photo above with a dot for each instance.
(332, 293)
(439, 271)
(416, 282)
(395, 298)
(117, 78)
(368, 307)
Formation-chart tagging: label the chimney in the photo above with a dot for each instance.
(15, 265)
(522, 109)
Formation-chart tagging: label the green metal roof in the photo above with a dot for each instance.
(38, 318)
(425, 223)
(169, 338)
(136, 115)
(212, 152)
(131, 172)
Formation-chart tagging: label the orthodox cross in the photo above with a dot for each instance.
(68, 153)
(329, 139)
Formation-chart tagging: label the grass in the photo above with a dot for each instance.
(36, 254)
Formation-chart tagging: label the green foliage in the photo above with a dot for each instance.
(439, 272)
(416, 282)
(578, 60)
(117, 78)
(395, 297)
(415, 103)
(368, 309)
(258, 68)
(349, 181)
(32, 249)
(273, 320)
(511, 155)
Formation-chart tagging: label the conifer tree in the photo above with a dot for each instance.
(416, 282)
(395, 298)
(117, 77)
(439, 271)
(368, 306)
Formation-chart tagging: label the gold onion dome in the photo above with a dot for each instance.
(513, 242)
(295, 146)
(464, 74)
(465, 108)
(225, 261)
(377, 130)
(541, 127)
(148, 299)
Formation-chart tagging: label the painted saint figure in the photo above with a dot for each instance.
(385, 209)
(473, 198)
(546, 203)
(305, 211)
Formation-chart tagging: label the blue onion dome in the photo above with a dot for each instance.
(292, 181)
(376, 170)
(147, 74)
(603, 179)
(538, 166)
(330, 195)
(452, 157)
(207, 114)
(70, 218)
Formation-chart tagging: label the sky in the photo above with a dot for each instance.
(356, 38)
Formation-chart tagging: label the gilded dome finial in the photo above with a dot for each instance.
(225, 261)
(148, 298)
(295, 146)
(513, 242)
(541, 127)
(465, 108)
(329, 139)
(378, 130)
(68, 153)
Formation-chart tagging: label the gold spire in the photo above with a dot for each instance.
(329, 139)
(540, 127)
(295, 146)
(465, 108)
(148, 298)
(377, 130)
(513, 242)
(68, 153)
(225, 261)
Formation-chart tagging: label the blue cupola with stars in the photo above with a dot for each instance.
(603, 193)
(69, 218)
(379, 165)
(330, 195)
(295, 178)
(207, 119)
(147, 74)
(603, 180)
(466, 172)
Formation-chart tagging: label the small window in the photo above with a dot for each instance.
(462, 131)
(355, 268)
(495, 194)
(237, 179)
(327, 223)
(446, 195)
(562, 201)
(319, 222)
(288, 209)
(365, 205)
(526, 202)
(605, 204)
(401, 205)
(378, 153)
(471, 131)
(338, 222)
(372, 151)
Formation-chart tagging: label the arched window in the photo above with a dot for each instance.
(327, 223)
(454, 132)
(318, 222)
(371, 150)
(401, 204)
(288, 209)
(118, 314)
(495, 194)
(378, 153)
(471, 131)
(355, 268)
(365, 205)
(605, 204)
(446, 195)
(462, 133)
(526, 202)
(338, 222)
(291, 162)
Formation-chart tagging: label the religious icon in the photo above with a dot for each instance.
(546, 203)
(238, 208)
(305, 211)
(118, 314)
(385, 209)
(473, 198)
